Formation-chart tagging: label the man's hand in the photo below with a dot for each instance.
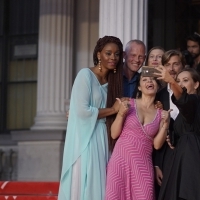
(164, 74)
(158, 175)
(158, 105)
(169, 143)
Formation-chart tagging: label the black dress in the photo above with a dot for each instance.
(183, 179)
(161, 157)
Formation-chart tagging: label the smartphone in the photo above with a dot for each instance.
(149, 71)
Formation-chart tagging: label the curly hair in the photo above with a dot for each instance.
(114, 80)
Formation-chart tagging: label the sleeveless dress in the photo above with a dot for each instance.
(86, 151)
(130, 174)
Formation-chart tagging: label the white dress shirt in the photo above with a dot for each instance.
(174, 113)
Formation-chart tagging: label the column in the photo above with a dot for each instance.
(125, 19)
(54, 64)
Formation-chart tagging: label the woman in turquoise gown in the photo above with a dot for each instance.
(92, 109)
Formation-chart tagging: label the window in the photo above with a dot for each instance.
(18, 63)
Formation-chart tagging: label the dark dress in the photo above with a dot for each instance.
(183, 178)
(162, 157)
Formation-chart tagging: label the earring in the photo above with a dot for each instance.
(114, 71)
(100, 69)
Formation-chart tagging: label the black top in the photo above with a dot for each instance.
(182, 180)
(130, 87)
(161, 156)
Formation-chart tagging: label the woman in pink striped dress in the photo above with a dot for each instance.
(139, 126)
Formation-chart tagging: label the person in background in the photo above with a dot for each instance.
(139, 126)
(182, 180)
(93, 107)
(154, 56)
(173, 61)
(134, 57)
(193, 46)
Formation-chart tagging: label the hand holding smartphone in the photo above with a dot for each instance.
(149, 71)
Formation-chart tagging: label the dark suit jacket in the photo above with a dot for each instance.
(135, 91)
(161, 156)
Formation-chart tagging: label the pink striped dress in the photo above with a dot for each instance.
(130, 174)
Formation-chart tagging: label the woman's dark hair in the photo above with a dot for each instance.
(139, 93)
(156, 47)
(114, 80)
(195, 76)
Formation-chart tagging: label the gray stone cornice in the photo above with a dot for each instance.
(32, 135)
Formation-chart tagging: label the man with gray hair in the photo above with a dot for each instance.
(134, 57)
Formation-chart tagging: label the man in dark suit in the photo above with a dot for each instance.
(174, 62)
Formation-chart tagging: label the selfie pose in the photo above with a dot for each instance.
(181, 181)
(92, 105)
(139, 126)
(173, 61)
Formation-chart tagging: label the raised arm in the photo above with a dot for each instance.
(117, 125)
(165, 76)
(163, 130)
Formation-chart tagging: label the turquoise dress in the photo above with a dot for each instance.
(86, 151)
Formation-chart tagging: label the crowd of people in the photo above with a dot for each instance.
(131, 136)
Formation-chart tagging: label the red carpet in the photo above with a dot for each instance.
(10, 190)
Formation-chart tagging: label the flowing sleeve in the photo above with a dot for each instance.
(81, 96)
(81, 123)
(187, 105)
